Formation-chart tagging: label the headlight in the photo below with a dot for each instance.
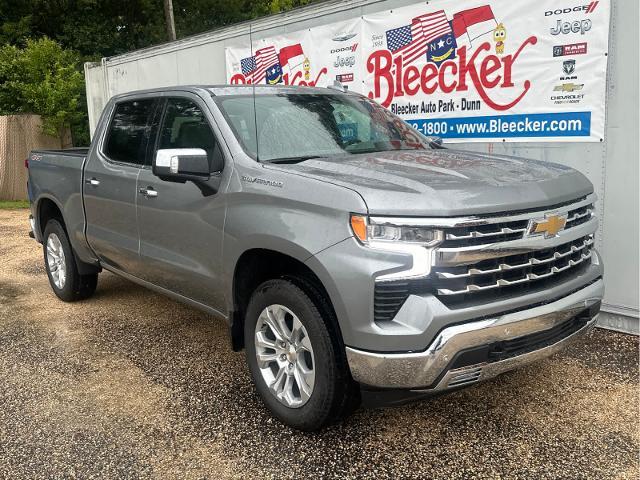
(379, 230)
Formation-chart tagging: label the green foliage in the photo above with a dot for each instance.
(196, 16)
(13, 204)
(103, 28)
(277, 6)
(94, 29)
(42, 78)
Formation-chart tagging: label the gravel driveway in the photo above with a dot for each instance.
(131, 384)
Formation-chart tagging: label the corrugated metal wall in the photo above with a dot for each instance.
(612, 165)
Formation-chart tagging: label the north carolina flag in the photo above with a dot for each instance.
(468, 25)
(291, 56)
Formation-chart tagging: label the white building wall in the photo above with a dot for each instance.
(612, 165)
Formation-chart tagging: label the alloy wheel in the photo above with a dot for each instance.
(56, 261)
(285, 355)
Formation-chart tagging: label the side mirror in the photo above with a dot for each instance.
(181, 164)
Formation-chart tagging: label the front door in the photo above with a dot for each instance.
(181, 224)
(110, 177)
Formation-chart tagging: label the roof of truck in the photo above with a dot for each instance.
(224, 90)
(221, 90)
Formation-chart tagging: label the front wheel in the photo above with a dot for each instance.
(295, 357)
(62, 270)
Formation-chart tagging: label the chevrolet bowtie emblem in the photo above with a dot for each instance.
(568, 87)
(549, 226)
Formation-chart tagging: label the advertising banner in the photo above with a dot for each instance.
(315, 57)
(464, 70)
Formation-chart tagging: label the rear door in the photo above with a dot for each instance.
(181, 224)
(110, 178)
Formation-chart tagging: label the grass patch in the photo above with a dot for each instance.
(13, 204)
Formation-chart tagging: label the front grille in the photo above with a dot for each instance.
(511, 270)
(488, 259)
(491, 230)
(491, 280)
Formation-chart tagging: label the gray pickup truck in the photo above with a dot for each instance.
(352, 258)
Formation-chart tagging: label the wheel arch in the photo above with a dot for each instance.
(48, 208)
(257, 265)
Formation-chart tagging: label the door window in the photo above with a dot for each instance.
(185, 126)
(128, 132)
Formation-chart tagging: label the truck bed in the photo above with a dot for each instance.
(57, 176)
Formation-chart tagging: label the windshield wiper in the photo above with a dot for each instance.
(297, 159)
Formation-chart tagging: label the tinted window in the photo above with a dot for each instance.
(185, 126)
(127, 138)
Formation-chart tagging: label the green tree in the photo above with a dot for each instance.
(42, 78)
(96, 29)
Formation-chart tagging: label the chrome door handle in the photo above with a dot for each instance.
(94, 182)
(148, 192)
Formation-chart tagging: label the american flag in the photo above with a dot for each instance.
(255, 68)
(248, 65)
(411, 41)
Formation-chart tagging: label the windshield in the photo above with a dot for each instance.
(299, 126)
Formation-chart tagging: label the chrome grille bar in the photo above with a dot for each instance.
(577, 216)
(526, 278)
(476, 234)
(451, 257)
(505, 266)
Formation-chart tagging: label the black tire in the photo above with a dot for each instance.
(76, 286)
(335, 394)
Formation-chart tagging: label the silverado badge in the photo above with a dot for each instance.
(549, 226)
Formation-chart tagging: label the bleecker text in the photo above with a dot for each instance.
(393, 79)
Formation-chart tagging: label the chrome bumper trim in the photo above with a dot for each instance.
(416, 370)
(465, 376)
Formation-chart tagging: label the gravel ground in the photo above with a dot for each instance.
(131, 384)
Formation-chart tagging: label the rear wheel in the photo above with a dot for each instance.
(295, 357)
(62, 270)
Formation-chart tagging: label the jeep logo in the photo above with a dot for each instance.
(577, 26)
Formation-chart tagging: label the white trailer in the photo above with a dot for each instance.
(612, 165)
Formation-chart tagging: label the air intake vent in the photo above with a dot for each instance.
(465, 377)
(388, 299)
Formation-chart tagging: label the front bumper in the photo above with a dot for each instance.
(467, 353)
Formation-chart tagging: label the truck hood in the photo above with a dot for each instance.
(447, 182)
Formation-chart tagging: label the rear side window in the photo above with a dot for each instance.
(127, 136)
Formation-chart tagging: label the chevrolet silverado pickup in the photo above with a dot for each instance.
(352, 257)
